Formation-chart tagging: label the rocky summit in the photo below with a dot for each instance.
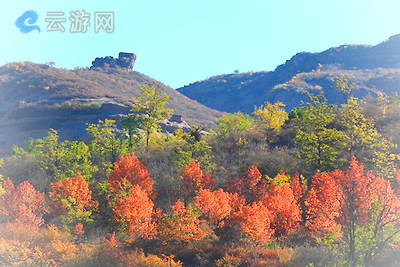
(124, 61)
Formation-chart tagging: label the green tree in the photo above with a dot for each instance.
(148, 110)
(105, 144)
(191, 148)
(363, 140)
(234, 124)
(318, 142)
(132, 123)
(64, 159)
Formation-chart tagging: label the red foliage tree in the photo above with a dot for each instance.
(129, 171)
(217, 206)
(251, 185)
(255, 222)
(253, 177)
(282, 203)
(342, 200)
(22, 203)
(181, 224)
(135, 213)
(322, 204)
(72, 197)
(194, 179)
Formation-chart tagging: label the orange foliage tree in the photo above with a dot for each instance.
(134, 212)
(322, 204)
(255, 222)
(22, 203)
(285, 210)
(194, 179)
(251, 185)
(128, 171)
(342, 201)
(181, 224)
(72, 199)
(217, 206)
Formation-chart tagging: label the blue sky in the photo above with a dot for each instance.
(182, 41)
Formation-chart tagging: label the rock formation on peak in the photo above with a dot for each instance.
(124, 60)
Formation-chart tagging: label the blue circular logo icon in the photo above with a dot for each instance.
(26, 22)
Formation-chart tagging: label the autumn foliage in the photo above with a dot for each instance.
(254, 211)
(217, 206)
(194, 179)
(72, 197)
(129, 171)
(255, 222)
(342, 201)
(281, 202)
(181, 224)
(22, 203)
(251, 185)
(135, 212)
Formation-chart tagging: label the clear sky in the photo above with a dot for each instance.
(183, 41)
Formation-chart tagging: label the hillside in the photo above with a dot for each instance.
(371, 68)
(36, 97)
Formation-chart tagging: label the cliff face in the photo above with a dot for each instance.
(365, 65)
(36, 97)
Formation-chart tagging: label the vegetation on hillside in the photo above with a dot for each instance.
(319, 186)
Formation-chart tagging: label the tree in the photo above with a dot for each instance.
(128, 171)
(181, 224)
(190, 147)
(319, 144)
(193, 179)
(285, 210)
(216, 206)
(382, 228)
(62, 159)
(271, 116)
(251, 185)
(22, 203)
(148, 110)
(105, 145)
(255, 222)
(363, 140)
(356, 206)
(71, 198)
(322, 205)
(234, 124)
(132, 123)
(134, 213)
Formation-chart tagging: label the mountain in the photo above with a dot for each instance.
(36, 97)
(369, 68)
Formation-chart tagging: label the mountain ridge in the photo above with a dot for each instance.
(243, 91)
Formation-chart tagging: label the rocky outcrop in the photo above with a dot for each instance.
(124, 60)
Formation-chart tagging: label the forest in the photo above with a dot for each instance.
(315, 186)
